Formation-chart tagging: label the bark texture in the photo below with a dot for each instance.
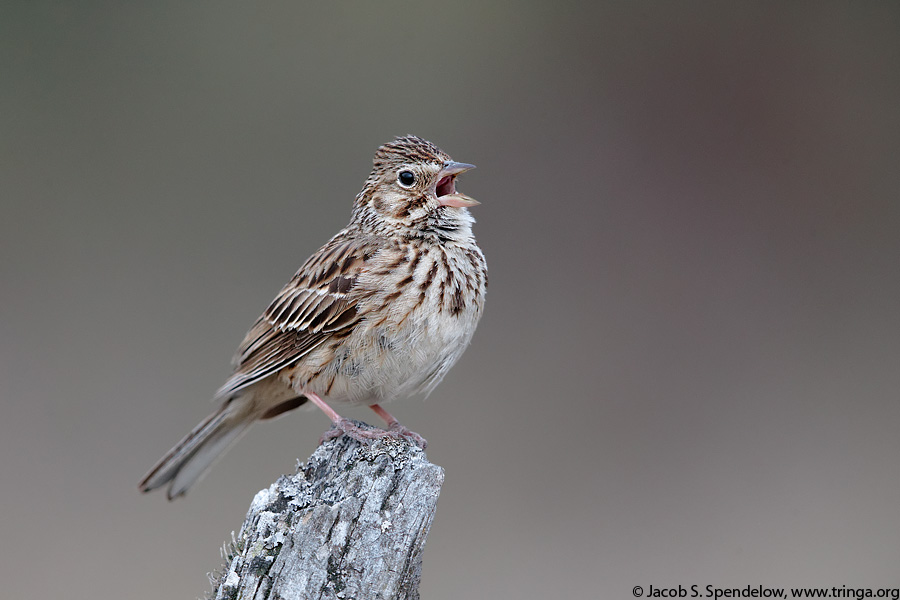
(351, 523)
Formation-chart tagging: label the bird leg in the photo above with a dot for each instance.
(342, 425)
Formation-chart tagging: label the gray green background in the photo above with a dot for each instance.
(688, 369)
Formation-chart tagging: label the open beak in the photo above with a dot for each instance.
(446, 187)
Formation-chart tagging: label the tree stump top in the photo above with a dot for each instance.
(351, 523)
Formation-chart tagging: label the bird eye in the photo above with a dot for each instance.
(406, 178)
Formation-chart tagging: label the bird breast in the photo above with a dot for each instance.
(422, 314)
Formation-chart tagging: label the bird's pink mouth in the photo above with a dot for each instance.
(445, 190)
(447, 185)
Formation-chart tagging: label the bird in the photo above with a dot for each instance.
(383, 310)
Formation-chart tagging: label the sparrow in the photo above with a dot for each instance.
(383, 310)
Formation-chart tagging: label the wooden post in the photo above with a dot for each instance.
(351, 523)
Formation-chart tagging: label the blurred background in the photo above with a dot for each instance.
(688, 369)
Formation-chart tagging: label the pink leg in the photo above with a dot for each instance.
(335, 418)
(342, 425)
(385, 415)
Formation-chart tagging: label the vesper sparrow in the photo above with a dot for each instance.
(382, 310)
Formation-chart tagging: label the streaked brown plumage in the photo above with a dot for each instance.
(383, 310)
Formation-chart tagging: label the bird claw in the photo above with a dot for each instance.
(399, 430)
(368, 436)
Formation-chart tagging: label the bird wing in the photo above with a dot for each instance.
(318, 303)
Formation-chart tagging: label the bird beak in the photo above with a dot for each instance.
(446, 187)
(455, 168)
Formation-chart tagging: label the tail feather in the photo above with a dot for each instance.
(193, 456)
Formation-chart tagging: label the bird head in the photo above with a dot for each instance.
(412, 188)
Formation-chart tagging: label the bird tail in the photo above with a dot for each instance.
(193, 456)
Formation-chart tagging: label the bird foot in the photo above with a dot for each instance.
(345, 426)
(399, 430)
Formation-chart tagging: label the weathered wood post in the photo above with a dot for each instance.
(351, 523)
